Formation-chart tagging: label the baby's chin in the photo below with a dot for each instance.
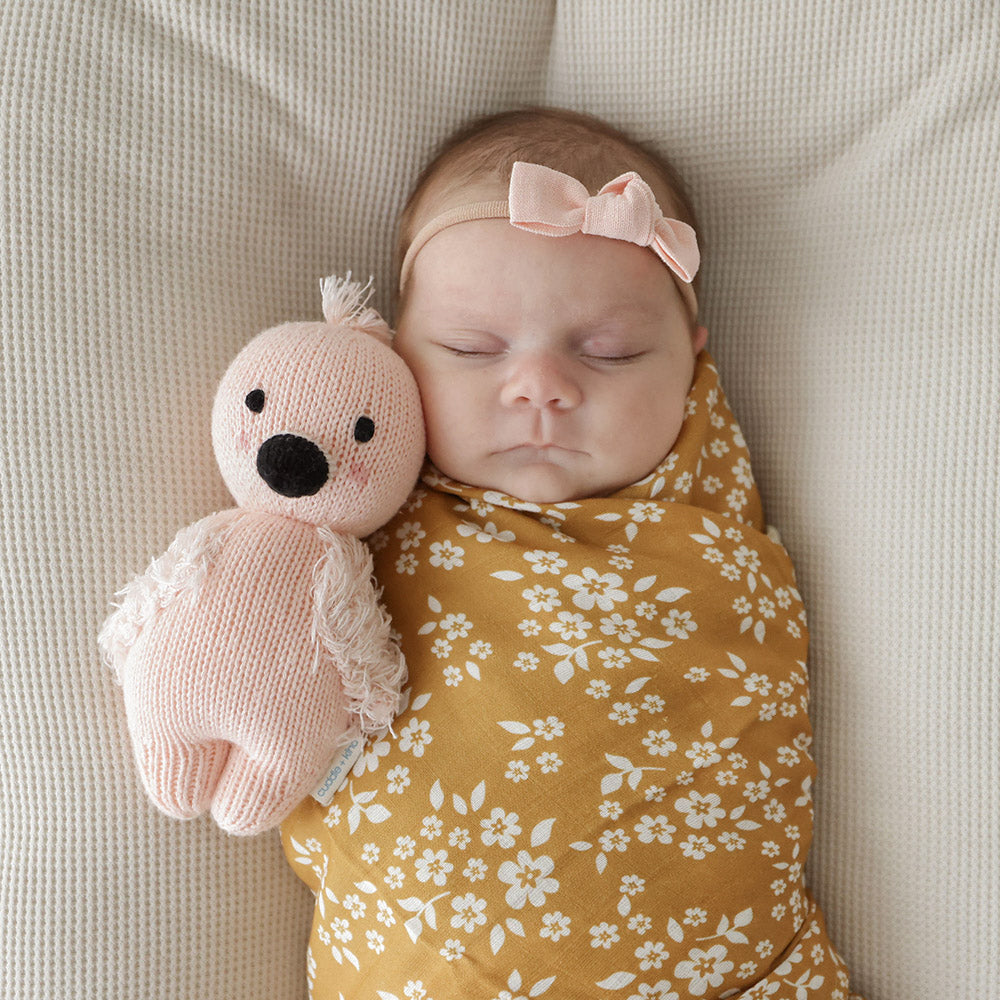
(542, 483)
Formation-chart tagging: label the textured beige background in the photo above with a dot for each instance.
(178, 175)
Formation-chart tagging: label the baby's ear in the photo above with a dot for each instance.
(699, 336)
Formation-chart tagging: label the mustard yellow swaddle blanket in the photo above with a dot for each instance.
(601, 784)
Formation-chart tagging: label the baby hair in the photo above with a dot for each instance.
(587, 148)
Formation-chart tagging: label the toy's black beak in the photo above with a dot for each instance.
(292, 466)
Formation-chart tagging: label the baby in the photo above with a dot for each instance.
(600, 786)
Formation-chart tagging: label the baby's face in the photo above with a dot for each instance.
(549, 368)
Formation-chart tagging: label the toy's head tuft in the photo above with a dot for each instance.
(321, 422)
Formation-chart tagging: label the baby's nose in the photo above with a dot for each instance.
(542, 380)
(292, 466)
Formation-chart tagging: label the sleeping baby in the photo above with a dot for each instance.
(600, 784)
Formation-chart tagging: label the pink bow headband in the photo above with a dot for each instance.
(550, 203)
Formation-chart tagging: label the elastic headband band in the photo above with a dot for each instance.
(550, 203)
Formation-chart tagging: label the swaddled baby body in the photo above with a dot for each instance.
(600, 786)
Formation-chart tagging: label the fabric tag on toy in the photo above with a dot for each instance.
(347, 755)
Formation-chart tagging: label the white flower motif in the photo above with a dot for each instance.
(517, 770)
(545, 562)
(604, 935)
(758, 684)
(385, 914)
(703, 754)
(598, 689)
(645, 511)
(410, 534)
(743, 474)
(441, 648)
(756, 790)
(501, 828)
(748, 558)
(655, 991)
(593, 588)
(651, 955)
(678, 624)
(452, 676)
(475, 870)
(431, 827)
(341, 929)
(700, 810)
(624, 629)
(355, 905)
(405, 846)
(657, 828)
(624, 713)
(415, 736)
(697, 847)
(528, 627)
(653, 704)
(704, 968)
(487, 533)
(614, 840)
(554, 925)
(469, 912)
(609, 809)
(526, 661)
(732, 841)
(459, 837)
(658, 742)
(407, 563)
(394, 877)
(549, 728)
(399, 778)
(433, 865)
(614, 659)
(452, 950)
(541, 598)
(456, 626)
(529, 879)
(550, 762)
(570, 625)
(446, 555)
(632, 885)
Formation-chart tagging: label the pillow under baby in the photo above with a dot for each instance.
(256, 647)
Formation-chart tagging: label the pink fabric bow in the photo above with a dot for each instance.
(545, 201)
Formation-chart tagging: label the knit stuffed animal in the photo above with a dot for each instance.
(255, 647)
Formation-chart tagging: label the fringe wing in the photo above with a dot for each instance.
(353, 628)
(180, 570)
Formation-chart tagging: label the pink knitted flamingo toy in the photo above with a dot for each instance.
(255, 647)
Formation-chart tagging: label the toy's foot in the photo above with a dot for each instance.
(180, 778)
(253, 796)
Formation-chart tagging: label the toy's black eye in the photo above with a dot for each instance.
(255, 400)
(364, 429)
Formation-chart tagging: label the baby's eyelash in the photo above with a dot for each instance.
(460, 352)
(615, 358)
